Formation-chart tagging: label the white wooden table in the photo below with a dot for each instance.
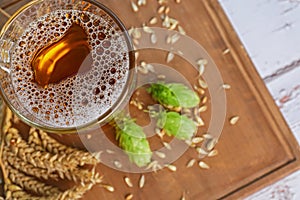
(270, 31)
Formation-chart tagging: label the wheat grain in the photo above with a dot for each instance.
(128, 181)
(203, 165)
(170, 57)
(108, 187)
(226, 86)
(153, 20)
(134, 7)
(142, 181)
(129, 197)
(172, 168)
(213, 153)
(233, 120)
(191, 163)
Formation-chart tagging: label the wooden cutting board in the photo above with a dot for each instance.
(257, 151)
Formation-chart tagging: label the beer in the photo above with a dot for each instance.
(70, 67)
(63, 58)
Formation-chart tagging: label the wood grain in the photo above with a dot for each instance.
(8, 3)
(10, 7)
(255, 152)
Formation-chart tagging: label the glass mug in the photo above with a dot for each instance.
(65, 65)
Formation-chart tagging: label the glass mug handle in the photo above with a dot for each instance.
(5, 47)
(5, 50)
(4, 60)
(4, 68)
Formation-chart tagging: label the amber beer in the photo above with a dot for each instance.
(70, 67)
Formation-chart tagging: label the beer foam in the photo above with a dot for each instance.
(82, 98)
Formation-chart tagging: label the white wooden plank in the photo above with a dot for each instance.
(269, 30)
(286, 189)
(286, 93)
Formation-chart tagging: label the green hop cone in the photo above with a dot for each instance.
(133, 141)
(174, 94)
(176, 125)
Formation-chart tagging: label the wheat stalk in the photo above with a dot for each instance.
(14, 191)
(26, 167)
(28, 163)
(51, 145)
(35, 157)
(30, 183)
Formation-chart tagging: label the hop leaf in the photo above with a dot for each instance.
(133, 141)
(174, 94)
(176, 125)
